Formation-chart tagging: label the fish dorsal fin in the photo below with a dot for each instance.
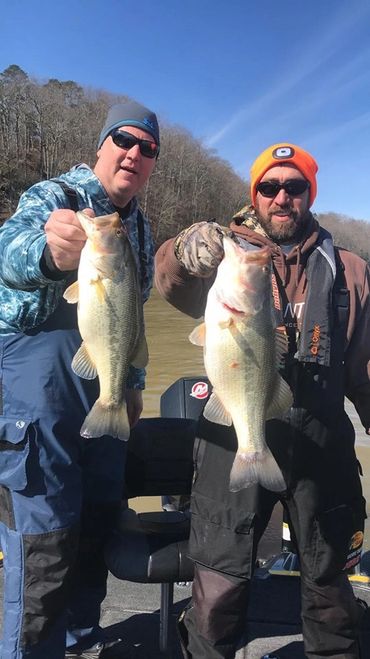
(141, 356)
(214, 411)
(83, 365)
(198, 335)
(282, 399)
(71, 293)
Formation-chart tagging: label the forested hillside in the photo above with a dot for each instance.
(46, 127)
(349, 233)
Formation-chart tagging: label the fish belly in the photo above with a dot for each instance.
(109, 326)
(240, 365)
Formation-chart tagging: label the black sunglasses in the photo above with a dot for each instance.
(293, 188)
(127, 141)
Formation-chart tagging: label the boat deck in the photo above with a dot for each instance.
(273, 622)
(131, 611)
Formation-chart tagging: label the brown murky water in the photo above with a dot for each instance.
(172, 356)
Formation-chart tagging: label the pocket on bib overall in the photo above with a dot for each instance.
(339, 537)
(221, 536)
(14, 451)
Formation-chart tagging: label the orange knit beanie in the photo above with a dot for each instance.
(284, 152)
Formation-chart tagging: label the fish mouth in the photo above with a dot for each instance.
(107, 221)
(258, 257)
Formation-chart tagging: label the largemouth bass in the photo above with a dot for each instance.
(110, 320)
(242, 352)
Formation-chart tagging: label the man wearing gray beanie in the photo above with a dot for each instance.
(130, 114)
(63, 491)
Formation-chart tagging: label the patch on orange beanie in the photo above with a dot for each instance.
(284, 152)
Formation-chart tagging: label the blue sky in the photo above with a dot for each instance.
(238, 74)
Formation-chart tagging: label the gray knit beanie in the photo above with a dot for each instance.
(130, 114)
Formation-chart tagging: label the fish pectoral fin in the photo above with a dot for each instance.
(282, 399)
(141, 357)
(215, 411)
(83, 365)
(198, 335)
(71, 294)
(250, 468)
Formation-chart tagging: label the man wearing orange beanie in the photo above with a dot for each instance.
(284, 153)
(321, 295)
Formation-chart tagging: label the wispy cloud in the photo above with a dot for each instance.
(317, 51)
(328, 92)
(341, 130)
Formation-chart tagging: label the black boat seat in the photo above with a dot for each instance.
(151, 547)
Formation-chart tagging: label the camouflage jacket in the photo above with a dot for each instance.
(27, 296)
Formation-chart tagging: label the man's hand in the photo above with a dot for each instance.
(134, 401)
(65, 237)
(199, 248)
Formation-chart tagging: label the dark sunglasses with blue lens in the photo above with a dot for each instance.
(127, 141)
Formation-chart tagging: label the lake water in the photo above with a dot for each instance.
(172, 356)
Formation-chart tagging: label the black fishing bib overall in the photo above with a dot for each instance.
(314, 447)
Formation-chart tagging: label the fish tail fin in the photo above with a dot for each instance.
(103, 420)
(257, 467)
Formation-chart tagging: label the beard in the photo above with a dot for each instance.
(287, 232)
